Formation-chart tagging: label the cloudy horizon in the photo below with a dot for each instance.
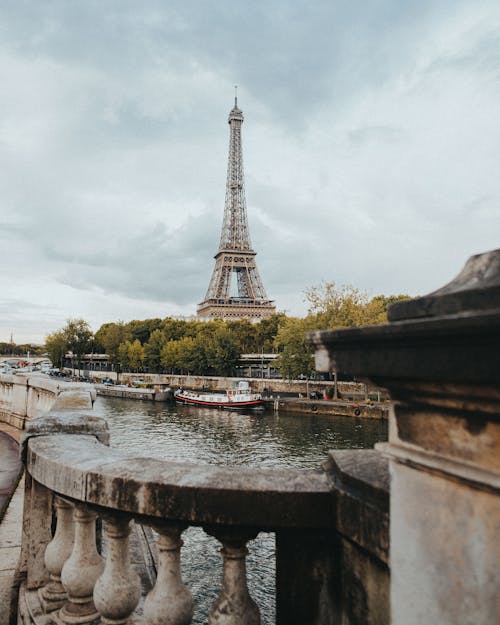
(370, 146)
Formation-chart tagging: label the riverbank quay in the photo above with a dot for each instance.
(328, 407)
(283, 404)
(355, 391)
(125, 392)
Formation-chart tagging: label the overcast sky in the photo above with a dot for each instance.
(371, 149)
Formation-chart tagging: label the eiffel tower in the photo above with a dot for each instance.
(245, 297)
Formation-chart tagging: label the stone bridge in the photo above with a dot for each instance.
(338, 559)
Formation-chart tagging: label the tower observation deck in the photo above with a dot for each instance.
(235, 290)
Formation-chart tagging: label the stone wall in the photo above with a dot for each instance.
(438, 357)
(259, 385)
(24, 397)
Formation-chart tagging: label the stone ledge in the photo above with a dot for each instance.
(81, 468)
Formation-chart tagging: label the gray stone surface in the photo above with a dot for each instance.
(477, 287)
(439, 361)
(10, 469)
(80, 467)
(10, 549)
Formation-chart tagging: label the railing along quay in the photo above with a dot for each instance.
(70, 467)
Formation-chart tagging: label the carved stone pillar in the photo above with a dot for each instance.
(39, 534)
(439, 359)
(117, 591)
(234, 605)
(81, 571)
(170, 602)
(53, 596)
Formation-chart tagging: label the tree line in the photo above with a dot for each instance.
(214, 347)
(21, 349)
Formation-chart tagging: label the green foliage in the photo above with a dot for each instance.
(172, 354)
(110, 336)
(331, 307)
(136, 354)
(266, 331)
(7, 349)
(223, 351)
(123, 355)
(142, 330)
(78, 337)
(244, 334)
(153, 349)
(295, 355)
(174, 329)
(131, 355)
(56, 347)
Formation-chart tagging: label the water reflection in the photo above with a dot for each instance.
(208, 436)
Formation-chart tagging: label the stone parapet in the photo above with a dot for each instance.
(318, 515)
(438, 358)
(24, 397)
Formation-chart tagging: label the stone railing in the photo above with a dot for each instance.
(439, 359)
(23, 397)
(330, 524)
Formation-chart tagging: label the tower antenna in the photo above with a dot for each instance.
(236, 96)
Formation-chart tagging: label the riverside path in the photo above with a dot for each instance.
(11, 514)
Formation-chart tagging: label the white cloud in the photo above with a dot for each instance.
(370, 146)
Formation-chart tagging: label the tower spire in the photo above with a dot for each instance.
(244, 297)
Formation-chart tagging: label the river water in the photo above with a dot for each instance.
(207, 436)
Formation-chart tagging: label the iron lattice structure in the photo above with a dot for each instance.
(235, 258)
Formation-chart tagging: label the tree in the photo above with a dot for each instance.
(197, 359)
(376, 309)
(295, 355)
(244, 334)
(56, 346)
(174, 329)
(266, 331)
(142, 330)
(110, 336)
(136, 355)
(123, 355)
(223, 352)
(153, 349)
(78, 337)
(345, 307)
(171, 356)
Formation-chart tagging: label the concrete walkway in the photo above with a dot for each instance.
(11, 514)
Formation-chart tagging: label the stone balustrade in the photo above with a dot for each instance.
(68, 574)
(78, 471)
(439, 359)
(318, 517)
(23, 397)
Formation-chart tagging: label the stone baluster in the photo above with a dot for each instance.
(117, 591)
(53, 596)
(81, 570)
(170, 602)
(234, 605)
